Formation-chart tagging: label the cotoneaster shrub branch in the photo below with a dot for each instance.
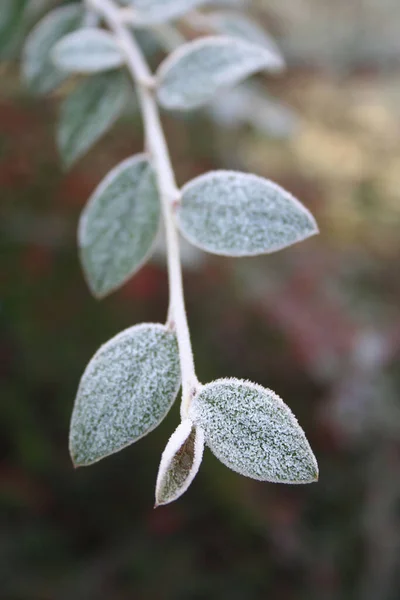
(132, 381)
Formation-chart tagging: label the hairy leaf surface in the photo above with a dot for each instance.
(252, 431)
(239, 214)
(180, 462)
(89, 112)
(125, 392)
(192, 75)
(87, 51)
(118, 226)
(39, 71)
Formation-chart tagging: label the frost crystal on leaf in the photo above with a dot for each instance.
(87, 51)
(89, 112)
(180, 462)
(119, 225)
(239, 214)
(252, 431)
(192, 75)
(38, 69)
(125, 392)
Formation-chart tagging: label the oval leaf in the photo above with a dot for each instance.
(180, 462)
(151, 12)
(125, 392)
(38, 69)
(192, 75)
(89, 112)
(253, 432)
(237, 25)
(87, 51)
(239, 214)
(119, 225)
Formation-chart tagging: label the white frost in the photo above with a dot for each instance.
(252, 431)
(240, 214)
(180, 462)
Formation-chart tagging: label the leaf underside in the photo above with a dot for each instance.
(179, 463)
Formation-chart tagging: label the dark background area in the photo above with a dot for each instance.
(319, 323)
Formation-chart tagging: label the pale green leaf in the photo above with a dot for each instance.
(125, 392)
(192, 75)
(239, 214)
(180, 462)
(151, 12)
(89, 112)
(119, 225)
(252, 431)
(87, 51)
(238, 25)
(40, 73)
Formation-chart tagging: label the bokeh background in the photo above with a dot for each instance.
(319, 323)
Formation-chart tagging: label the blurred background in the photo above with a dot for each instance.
(319, 323)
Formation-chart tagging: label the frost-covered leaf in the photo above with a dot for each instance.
(180, 462)
(89, 112)
(237, 25)
(125, 392)
(253, 432)
(239, 214)
(119, 225)
(150, 12)
(38, 69)
(192, 75)
(87, 51)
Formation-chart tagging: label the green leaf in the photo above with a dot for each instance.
(239, 214)
(118, 226)
(89, 112)
(125, 392)
(151, 12)
(238, 25)
(253, 432)
(180, 462)
(87, 51)
(39, 72)
(192, 75)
